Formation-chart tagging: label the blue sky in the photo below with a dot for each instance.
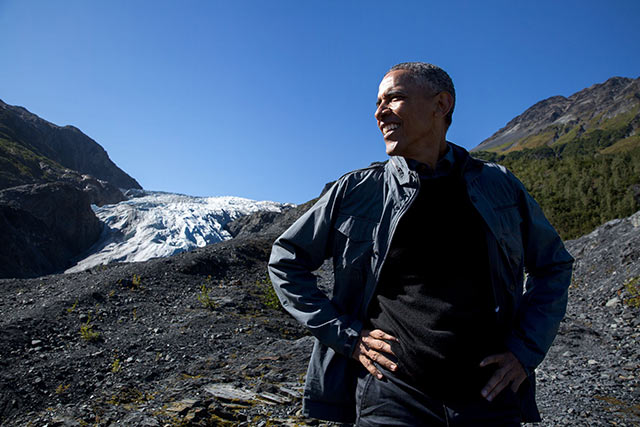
(272, 99)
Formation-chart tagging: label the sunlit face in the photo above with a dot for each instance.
(405, 114)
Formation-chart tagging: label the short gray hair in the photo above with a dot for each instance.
(431, 76)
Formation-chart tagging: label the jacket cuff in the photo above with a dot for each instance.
(353, 333)
(528, 361)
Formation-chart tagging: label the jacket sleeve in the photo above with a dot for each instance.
(295, 255)
(548, 266)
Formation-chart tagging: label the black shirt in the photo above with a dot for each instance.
(434, 293)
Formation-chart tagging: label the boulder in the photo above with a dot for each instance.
(43, 227)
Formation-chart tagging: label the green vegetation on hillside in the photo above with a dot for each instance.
(560, 134)
(19, 165)
(584, 182)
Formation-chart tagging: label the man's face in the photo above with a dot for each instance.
(405, 115)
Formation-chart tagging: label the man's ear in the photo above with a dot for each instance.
(445, 103)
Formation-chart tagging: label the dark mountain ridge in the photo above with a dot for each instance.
(26, 140)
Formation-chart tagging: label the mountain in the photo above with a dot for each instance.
(156, 224)
(49, 178)
(614, 104)
(578, 156)
(33, 150)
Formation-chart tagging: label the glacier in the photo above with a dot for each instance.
(153, 224)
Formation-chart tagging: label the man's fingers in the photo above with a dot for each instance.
(369, 366)
(510, 373)
(362, 355)
(495, 385)
(377, 345)
(489, 360)
(517, 382)
(381, 360)
(372, 347)
(381, 335)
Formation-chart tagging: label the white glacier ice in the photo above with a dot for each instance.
(156, 224)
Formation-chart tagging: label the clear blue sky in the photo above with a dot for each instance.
(272, 99)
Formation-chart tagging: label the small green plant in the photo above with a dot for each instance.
(204, 297)
(87, 333)
(134, 283)
(620, 406)
(130, 398)
(632, 286)
(73, 307)
(267, 295)
(116, 366)
(62, 388)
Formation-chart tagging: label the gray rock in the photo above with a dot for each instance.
(612, 302)
(44, 226)
(230, 392)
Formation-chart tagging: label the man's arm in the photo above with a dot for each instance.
(548, 266)
(294, 256)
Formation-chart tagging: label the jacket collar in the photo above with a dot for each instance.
(400, 169)
(398, 166)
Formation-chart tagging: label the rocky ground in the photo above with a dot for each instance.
(198, 339)
(591, 375)
(192, 339)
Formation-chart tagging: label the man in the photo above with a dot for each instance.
(428, 322)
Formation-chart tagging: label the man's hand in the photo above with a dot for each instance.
(371, 347)
(509, 373)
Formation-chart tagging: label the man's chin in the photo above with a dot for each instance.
(391, 148)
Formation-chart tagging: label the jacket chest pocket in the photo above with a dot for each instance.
(353, 242)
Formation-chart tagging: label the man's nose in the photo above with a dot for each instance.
(381, 111)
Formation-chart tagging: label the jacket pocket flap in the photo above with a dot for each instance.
(356, 229)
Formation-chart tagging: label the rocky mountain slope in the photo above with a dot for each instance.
(49, 178)
(33, 150)
(591, 375)
(557, 120)
(198, 339)
(43, 227)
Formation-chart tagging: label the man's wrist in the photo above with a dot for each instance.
(516, 347)
(353, 337)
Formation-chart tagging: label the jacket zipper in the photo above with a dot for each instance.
(489, 231)
(392, 230)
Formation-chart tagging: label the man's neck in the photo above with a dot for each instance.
(431, 155)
